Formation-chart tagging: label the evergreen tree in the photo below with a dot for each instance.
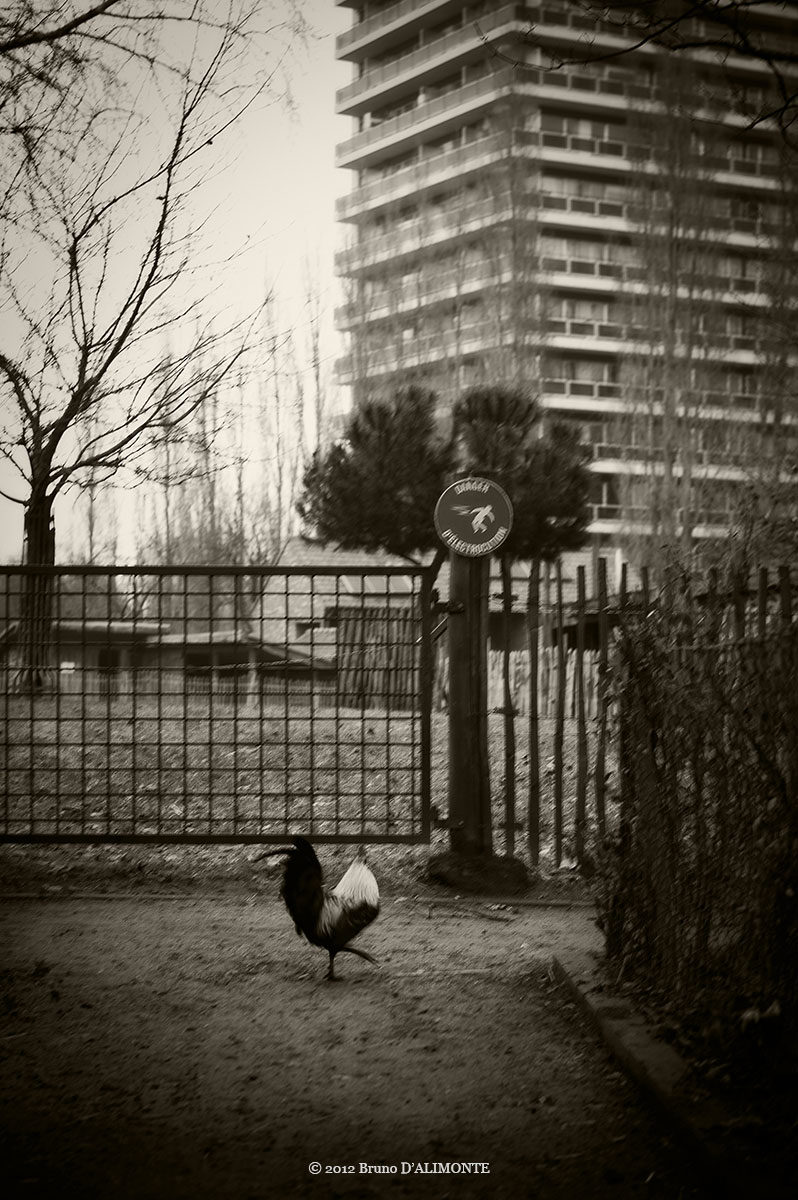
(499, 432)
(377, 487)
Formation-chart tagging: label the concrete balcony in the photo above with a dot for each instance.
(414, 127)
(598, 391)
(380, 84)
(705, 349)
(588, 399)
(568, 336)
(435, 228)
(592, 207)
(608, 278)
(451, 110)
(400, 300)
(587, 337)
(616, 458)
(428, 172)
(470, 158)
(615, 158)
(428, 231)
(614, 338)
(423, 351)
(612, 520)
(648, 464)
(387, 27)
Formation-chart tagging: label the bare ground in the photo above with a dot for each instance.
(191, 1048)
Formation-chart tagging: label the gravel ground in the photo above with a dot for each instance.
(191, 1048)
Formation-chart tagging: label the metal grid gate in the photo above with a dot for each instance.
(231, 705)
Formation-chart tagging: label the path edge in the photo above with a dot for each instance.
(701, 1124)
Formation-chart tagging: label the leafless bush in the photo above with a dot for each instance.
(698, 892)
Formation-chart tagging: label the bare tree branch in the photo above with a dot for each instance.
(34, 37)
(112, 225)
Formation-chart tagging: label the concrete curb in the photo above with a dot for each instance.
(702, 1125)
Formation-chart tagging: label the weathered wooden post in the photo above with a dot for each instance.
(559, 722)
(533, 746)
(469, 775)
(580, 825)
(473, 517)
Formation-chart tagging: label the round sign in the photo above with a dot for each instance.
(473, 516)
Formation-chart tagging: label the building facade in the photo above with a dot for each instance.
(613, 233)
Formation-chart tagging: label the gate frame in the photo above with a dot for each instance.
(424, 596)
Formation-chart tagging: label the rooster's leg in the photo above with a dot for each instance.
(359, 953)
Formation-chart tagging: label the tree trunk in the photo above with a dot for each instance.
(35, 672)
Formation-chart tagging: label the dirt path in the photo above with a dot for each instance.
(191, 1048)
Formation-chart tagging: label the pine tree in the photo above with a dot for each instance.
(377, 487)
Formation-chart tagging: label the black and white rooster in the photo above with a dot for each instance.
(328, 917)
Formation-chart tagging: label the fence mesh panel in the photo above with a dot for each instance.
(228, 705)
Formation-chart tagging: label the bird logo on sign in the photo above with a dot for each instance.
(478, 516)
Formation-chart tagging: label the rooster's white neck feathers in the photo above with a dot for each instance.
(354, 901)
(358, 886)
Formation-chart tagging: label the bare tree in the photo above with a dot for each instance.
(97, 230)
(313, 352)
(67, 66)
(708, 428)
(227, 484)
(65, 35)
(94, 536)
(96, 263)
(670, 429)
(85, 354)
(281, 415)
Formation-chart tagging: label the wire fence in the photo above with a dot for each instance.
(230, 705)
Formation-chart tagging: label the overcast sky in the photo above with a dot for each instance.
(275, 197)
(285, 184)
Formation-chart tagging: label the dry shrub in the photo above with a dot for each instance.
(697, 886)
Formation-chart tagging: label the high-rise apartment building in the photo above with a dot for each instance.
(608, 231)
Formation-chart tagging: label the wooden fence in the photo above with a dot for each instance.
(573, 747)
(378, 658)
(547, 682)
(576, 752)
